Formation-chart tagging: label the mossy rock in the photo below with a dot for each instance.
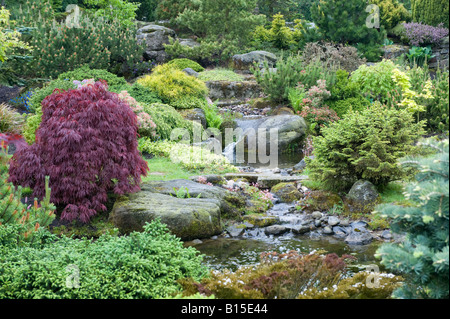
(262, 103)
(322, 201)
(287, 192)
(261, 221)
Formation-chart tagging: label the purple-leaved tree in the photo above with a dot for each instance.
(87, 144)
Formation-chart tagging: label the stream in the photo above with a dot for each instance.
(231, 252)
(226, 252)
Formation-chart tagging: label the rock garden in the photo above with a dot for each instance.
(272, 154)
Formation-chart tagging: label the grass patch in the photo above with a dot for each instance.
(220, 75)
(393, 193)
(162, 169)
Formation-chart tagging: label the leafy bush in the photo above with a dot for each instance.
(31, 220)
(392, 12)
(364, 145)
(167, 119)
(87, 144)
(213, 118)
(175, 87)
(10, 120)
(431, 12)
(182, 64)
(375, 81)
(139, 266)
(190, 157)
(419, 34)
(333, 55)
(423, 257)
(345, 22)
(419, 55)
(120, 10)
(220, 74)
(86, 73)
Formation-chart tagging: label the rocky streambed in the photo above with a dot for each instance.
(212, 215)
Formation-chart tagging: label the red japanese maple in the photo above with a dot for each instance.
(87, 144)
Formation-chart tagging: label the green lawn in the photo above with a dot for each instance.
(162, 169)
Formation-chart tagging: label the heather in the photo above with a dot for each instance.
(420, 34)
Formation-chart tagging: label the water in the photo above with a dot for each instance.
(230, 253)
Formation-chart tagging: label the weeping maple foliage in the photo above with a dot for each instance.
(87, 145)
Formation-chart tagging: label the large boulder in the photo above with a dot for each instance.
(196, 114)
(190, 210)
(231, 90)
(291, 130)
(362, 197)
(246, 61)
(155, 36)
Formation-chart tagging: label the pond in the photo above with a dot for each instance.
(230, 253)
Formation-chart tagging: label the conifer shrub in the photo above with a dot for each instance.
(344, 21)
(87, 144)
(364, 145)
(346, 95)
(175, 87)
(142, 94)
(59, 47)
(423, 257)
(431, 12)
(29, 221)
(392, 12)
(139, 266)
(290, 71)
(182, 64)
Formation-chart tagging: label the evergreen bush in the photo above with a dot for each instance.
(392, 12)
(30, 221)
(175, 87)
(430, 12)
(182, 64)
(344, 21)
(423, 257)
(364, 145)
(139, 266)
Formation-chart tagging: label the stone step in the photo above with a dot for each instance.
(265, 180)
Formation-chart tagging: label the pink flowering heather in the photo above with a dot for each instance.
(419, 34)
(127, 98)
